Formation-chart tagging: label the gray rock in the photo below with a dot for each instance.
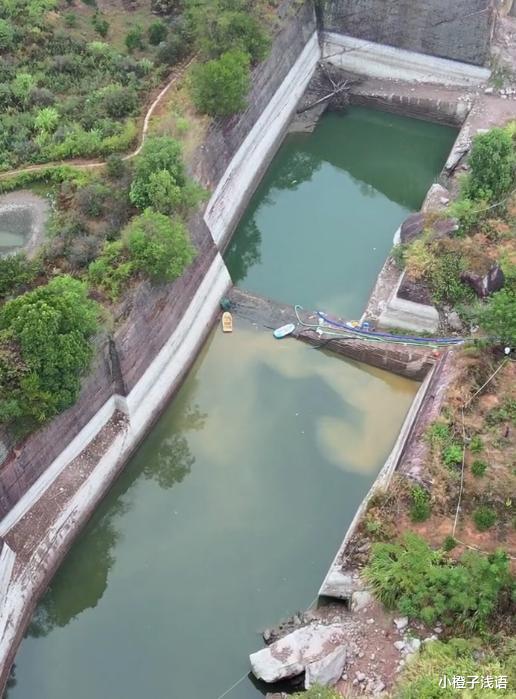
(267, 635)
(290, 655)
(436, 199)
(399, 645)
(401, 622)
(378, 688)
(412, 645)
(360, 676)
(412, 227)
(486, 284)
(328, 670)
(360, 599)
(454, 321)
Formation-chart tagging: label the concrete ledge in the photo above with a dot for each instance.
(381, 61)
(338, 583)
(245, 169)
(401, 313)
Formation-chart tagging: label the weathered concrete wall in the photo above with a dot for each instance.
(459, 30)
(149, 317)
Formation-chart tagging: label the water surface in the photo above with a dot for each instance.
(224, 522)
(15, 228)
(322, 221)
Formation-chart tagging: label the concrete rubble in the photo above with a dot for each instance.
(315, 645)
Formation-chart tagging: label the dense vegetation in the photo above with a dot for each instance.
(425, 584)
(485, 211)
(44, 348)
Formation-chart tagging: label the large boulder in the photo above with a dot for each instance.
(485, 284)
(291, 655)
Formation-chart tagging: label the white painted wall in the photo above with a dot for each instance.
(240, 177)
(381, 61)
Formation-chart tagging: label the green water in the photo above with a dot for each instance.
(322, 221)
(224, 522)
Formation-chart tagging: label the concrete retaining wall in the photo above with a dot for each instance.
(380, 60)
(248, 165)
(459, 30)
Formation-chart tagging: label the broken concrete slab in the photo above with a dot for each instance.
(327, 671)
(291, 655)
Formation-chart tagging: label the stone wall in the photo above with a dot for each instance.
(459, 30)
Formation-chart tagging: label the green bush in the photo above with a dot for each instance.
(497, 317)
(115, 167)
(438, 433)
(476, 444)
(6, 35)
(160, 178)
(112, 270)
(424, 584)
(134, 38)
(456, 658)
(220, 26)
(219, 87)
(484, 518)
(420, 504)
(100, 24)
(492, 165)
(452, 454)
(16, 271)
(158, 246)
(157, 31)
(119, 101)
(46, 333)
(478, 468)
(449, 543)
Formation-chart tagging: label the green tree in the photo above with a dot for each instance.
(219, 87)
(159, 154)
(157, 31)
(492, 165)
(47, 332)
(158, 246)
(163, 193)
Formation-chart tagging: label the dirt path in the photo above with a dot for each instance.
(84, 164)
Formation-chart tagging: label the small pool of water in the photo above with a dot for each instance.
(322, 221)
(225, 521)
(16, 224)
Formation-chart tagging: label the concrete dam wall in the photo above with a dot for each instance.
(459, 30)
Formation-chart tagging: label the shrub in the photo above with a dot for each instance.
(449, 543)
(112, 270)
(100, 24)
(492, 165)
(438, 433)
(134, 38)
(455, 658)
(119, 101)
(219, 87)
(221, 26)
(173, 51)
(49, 331)
(157, 31)
(420, 504)
(47, 119)
(91, 198)
(484, 518)
(497, 317)
(452, 454)
(478, 468)
(159, 155)
(476, 444)
(158, 246)
(424, 584)
(6, 35)
(115, 167)
(16, 271)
